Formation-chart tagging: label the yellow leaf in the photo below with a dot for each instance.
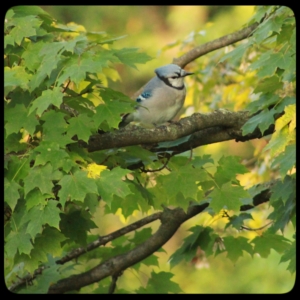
(289, 116)
(95, 170)
(280, 139)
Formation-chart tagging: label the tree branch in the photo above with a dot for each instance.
(218, 126)
(102, 240)
(170, 222)
(219, 43)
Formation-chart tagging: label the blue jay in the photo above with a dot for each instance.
(161, 99)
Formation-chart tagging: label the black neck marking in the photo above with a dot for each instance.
(166, 81)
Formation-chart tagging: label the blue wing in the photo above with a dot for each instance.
(143, 96)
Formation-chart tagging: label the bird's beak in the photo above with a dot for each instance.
(187, 73)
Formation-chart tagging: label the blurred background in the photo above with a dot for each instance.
(164, 33)
(153, 28)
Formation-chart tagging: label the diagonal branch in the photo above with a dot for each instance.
(102, 240)
(219, 43)
(170, 222)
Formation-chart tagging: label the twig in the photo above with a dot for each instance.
(255, 229)
(26, 279)
(102, 240)
(66, 86)
(113, 284)
(156, 170)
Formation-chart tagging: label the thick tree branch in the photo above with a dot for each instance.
(170, 222)
(218, 126)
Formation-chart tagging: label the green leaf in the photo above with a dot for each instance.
(263, 120)
(18, 241)
(130, 57)
(229, 167)
(264, 101)
(8, 40)
(237, 53)
(253, 191)
(15, 77)
(228, 197)
(51, 53)
(24, 27)
(261, 61)
(49, 276)
(286, 160)
(283, 190)
(24, 10)
(200, 161)
(40, 215)
(112, 108)
(18, 168)
(260, 12)
(102, 37)
(110, 183)
(268, 63)
(75, 226)
(75, 187)
(82, 126)
(41, 177)
(160, 283)
(136, 154)
(141, 236)
(141, 196)
(151, 260)
(11, 193)
(181, 180)
(238, 221)
(17, 118)
(91, 201)
(48, 97)
(31, 55)
(202, 237)
(236, 246)
(168, 144)
(55, 127)
(283, 213)
(269, 85)
(290, 255)
(35, 198)
(12, 143)
(50, 152)
(265, 29)
(77, 66)
(127, 204)
(264, 243)
(46, 243)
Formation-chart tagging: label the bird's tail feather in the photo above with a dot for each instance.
(126, 119)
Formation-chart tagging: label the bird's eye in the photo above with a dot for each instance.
(174, 77)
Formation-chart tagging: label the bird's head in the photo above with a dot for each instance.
(172, 75)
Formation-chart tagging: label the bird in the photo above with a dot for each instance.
(161, 99)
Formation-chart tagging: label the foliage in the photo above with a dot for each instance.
(57, 96)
